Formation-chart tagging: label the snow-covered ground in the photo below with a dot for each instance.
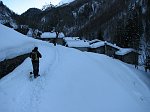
(73, 81)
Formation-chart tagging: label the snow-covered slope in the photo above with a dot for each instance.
(6, 16)
(13, 43)
(74, 81)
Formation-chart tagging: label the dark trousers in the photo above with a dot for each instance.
(35, 68)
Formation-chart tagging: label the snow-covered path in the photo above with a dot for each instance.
(73, 81)
(22, 94)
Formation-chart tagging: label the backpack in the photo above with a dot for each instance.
(34, 56)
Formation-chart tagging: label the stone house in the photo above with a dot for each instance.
(81, 45)
(128, 55)
(102, 47)
(51, 37)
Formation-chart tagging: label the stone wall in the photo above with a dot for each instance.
(9, 65)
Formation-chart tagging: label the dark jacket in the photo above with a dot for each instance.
(35, 55)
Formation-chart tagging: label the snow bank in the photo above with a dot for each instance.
(13, 43)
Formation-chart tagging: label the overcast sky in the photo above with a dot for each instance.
(20, 6)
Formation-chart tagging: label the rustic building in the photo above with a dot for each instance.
(81, 45)
(51, 37)
(102, 47)
(128, 55)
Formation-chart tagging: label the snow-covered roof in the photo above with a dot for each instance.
(98, 43)
(77, 43)
(124, 51)
(121, 51)
(71, 38)
(94, 41)
(51, 35)
(113, 45)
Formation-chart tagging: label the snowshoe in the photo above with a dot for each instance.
(36, 76)
(31, 76)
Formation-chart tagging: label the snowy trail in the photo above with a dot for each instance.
(28, 91)
(38, 86)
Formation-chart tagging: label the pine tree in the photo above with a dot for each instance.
(100, 35)
(133, 31)
(120, 35)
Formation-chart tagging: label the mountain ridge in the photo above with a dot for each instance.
(7, 16)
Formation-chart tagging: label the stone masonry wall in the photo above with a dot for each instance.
(9, 65)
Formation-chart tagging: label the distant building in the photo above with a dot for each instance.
(51, 37)
(75, 42)
(103, 47)
(35, 33)
(128, 55)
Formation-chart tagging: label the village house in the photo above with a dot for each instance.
(75, 42)
(103, 47)
(128, 55)
(51, 37)
(35, 33)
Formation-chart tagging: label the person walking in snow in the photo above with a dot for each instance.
(35, 55)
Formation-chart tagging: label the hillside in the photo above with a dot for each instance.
(72, 81)
(7, 17)
(90, 16)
